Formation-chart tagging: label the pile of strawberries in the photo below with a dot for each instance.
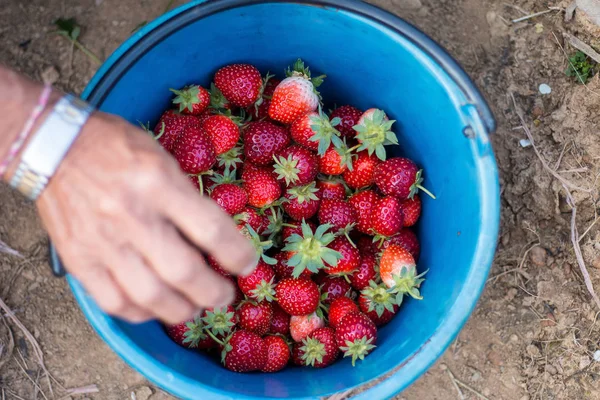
(328, 214)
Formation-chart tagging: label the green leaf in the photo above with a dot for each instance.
(66, 25)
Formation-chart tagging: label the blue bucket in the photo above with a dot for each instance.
(372, 59)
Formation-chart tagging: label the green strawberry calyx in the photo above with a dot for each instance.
(380, 298)
(286, 169)
(414, 188)
(261, 96)
(314, 351)
(407, 282)
(195, 333)
(261, 246)
(264, 291)
(218, 101)
(226, 177)
(346, 155)
(374, 133)
(301, 70)
(311, 251)
(358, 348)
(230, 159)
(187, 97)
(219, 322)
(325, 132)
(304, 193)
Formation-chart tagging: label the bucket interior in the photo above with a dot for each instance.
(367, 65)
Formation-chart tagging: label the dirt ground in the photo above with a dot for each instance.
(534, 332)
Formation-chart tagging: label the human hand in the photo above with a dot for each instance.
(130, 227)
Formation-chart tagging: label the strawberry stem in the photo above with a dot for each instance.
(209, 333)
(426, 191)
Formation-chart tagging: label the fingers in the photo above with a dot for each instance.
(147, 290)
(99, 283)
(208, 227)
(181, 266)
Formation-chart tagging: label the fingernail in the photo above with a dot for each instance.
(250, 268)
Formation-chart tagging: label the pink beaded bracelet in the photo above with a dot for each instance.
(35, 114)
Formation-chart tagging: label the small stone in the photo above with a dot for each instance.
(476, 376)
(597, 355)
(525, 397)
(566, 269)
(408, 4)
(28, 274)
(596, 262)
(537, 112)
(143, 393)
(545, 88)
(443, 367)
(495, 358)
(538, 256)
(584, 361)
(486, 392)
(50, 75)
(514, 338)
(551, 369)
(511, 294)
(533, 351)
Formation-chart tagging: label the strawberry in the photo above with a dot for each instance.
(262, 188)
(255, 317)
(283, 270)
(399, 272)
(261, 111)
(223, 132)
(290, 229)
(192, 99)
(363, 169)
(378, 303)
(411, 208)
(297, 296)
(302, 202)
(248, 215)
(219, 322)
(366, 271)
(194, 151)
(259, 284)
(356, 336)
(331, 189)
(319, 349)
(189, 334)
(407, 239)
(349, 117)
(387, 217)
(206, 114)
(301, 131)
(366, 246)
(241, 84)
(280, 323)
(303, 325)
(310, 250)
(316, 132)
(170, 125)
(335, 161)
(263, 140)
(296, 166)
(230, 197)
(296, 95)
(350, 260)
(399, 177)
(333, 287)
(278, 354)
(363, 203)
(339, 308)
(337, 213)
(244, 351)
(374, 131)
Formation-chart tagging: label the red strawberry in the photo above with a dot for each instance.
(366, 271)
(192, 99)
(349, 117)
(290, 229)
(204, 116)
(331, 189)
(301, 131)
(248, 215)
(399, 272)
(297, 296)
(302, 202)
(333, 287)
(387, 217)
(363, 169)
(278, 354)
(407, 239)
(189, 334)
(263, 140)
(296, 166)
(412, 210)
(244, 352)
(194, 151)
(303, 325)
(247, 169)
(338, 213)
(262, 188)
(261, 111)
(283, 270)
(219, 322)
(350, 260)
(255, 317)
(316, 132)
(374, 131)
(363, 203)
(230, 197)
(259, 284)
(366, 246)
(296, 95)
(170, 125)
(378, 303)
(223, 133)
(319, 349)
(339, 308)
(280, 323)
(241, 84)
(356, 336)
(335, 161)
(399, 177)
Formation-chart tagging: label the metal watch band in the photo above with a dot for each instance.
(49, 145)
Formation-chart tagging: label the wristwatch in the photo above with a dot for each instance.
(49, 145)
